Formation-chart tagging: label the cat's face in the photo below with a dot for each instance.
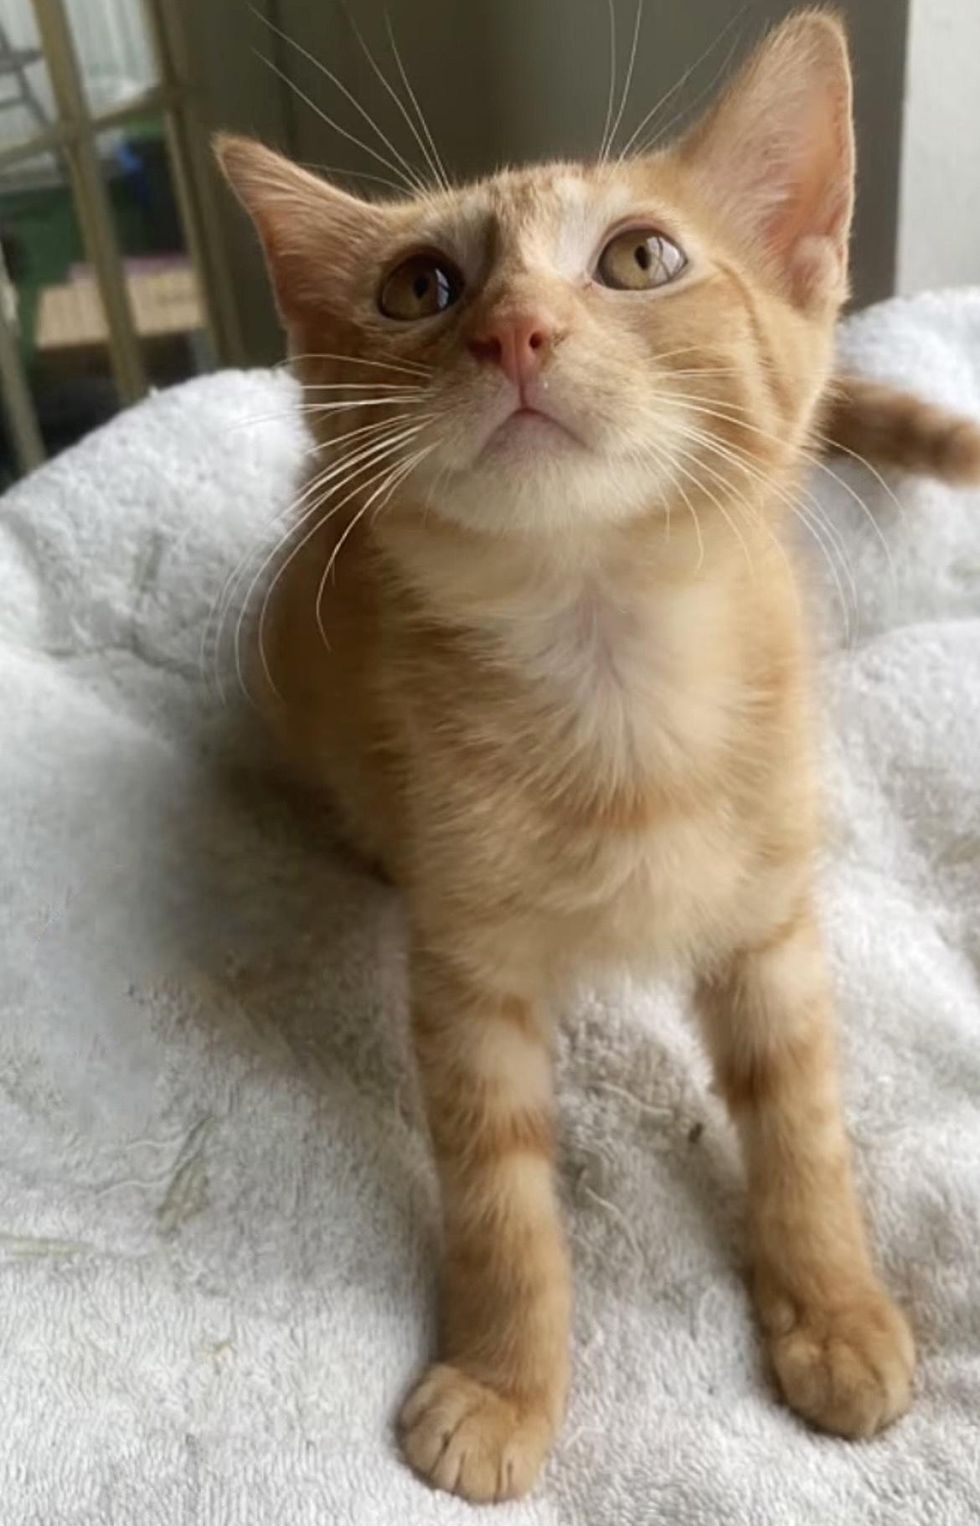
(559, 318)
(567, 344)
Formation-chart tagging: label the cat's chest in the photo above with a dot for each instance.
(641, 696)
(599, 760)
(597, 645)
(618, 673)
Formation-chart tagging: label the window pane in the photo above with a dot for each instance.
(115, 54)
(52, 306)
(168, 310)
(27, 107)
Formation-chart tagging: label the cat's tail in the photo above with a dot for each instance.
(892, 428)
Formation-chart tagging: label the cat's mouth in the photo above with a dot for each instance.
(528, 424)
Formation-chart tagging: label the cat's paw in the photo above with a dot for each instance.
(847, 1369)
(464, 1437)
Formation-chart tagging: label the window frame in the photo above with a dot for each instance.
(75, 136)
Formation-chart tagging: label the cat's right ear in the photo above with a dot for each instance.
(312, 232)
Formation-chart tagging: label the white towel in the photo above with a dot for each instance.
(217, 1218)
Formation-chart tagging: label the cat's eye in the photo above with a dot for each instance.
(420, 287)
(639, 259)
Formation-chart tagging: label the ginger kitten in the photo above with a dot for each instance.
(538, 633)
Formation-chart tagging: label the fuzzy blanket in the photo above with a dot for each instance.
(217, 1216)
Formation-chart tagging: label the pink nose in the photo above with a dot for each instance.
(516, 345)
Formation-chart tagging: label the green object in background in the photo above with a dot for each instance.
(41, 236)
(41, 241)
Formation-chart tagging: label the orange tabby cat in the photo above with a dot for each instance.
(539, 633)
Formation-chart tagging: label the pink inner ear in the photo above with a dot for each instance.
(812, 235)
(817, 203)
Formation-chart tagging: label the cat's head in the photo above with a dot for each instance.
(572, 343)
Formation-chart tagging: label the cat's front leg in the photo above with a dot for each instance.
(842, 1351)
(481, 1420)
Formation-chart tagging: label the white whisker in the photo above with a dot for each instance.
(412, 187)
(663, 461)
(380, 74)
(724, 413)
(348, 174)
(835, 445)
(684, 349)
(392, 477)
(809, 516)
(409, 169)
(822, 466)
(604, 145)
(624, 98)
(380, 389)
(379, 453)
(434, 155)
(219, 608)
(411, 367)
(692, 477)
(351, 463)
(414, 460)
(706, 90)
(679, 85)
(319, 409)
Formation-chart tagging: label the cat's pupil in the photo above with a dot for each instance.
(643, 256)
(420, 286)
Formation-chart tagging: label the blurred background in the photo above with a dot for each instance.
(124, 265)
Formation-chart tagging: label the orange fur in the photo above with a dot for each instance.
(871, 419)
(559, 686)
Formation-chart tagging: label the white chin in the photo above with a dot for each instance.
(537, 478)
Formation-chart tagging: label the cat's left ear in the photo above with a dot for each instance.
(775, 157)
